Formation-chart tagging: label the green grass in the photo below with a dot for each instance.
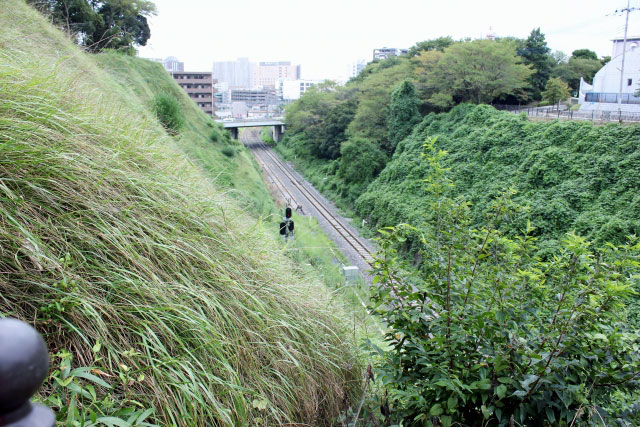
(201, 139)
(133, 251)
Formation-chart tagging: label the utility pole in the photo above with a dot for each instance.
(628, 9)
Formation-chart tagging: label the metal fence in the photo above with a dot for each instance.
(563, 113)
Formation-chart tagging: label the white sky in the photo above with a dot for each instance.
(325, 37)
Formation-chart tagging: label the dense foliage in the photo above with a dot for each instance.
(535, 53)
(555, 91)
(477, 71)
(569, 175)
(167, 110)
(489, 333)
(403, 113)
(97, 25)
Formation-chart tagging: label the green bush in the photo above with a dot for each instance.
(229, 151)
(489, 334)
(360, 161)
(215, 136)
(167, 110)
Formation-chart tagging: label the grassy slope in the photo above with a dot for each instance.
(572, 175)
(109, 235)
(202, 139)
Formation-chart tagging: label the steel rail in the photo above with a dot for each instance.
(337, 225)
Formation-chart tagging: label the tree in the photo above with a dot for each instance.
(374, 93)
(555, 91)
(403, 113)
(322, 115)
(559, 57)
(477, 71)
(360, 161)
(584, 53)
(114, 24)
(439, 44)
(535, 53)
(575, 68)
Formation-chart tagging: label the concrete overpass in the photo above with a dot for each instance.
(277, 126)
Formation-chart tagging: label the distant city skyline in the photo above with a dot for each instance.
(326, 37)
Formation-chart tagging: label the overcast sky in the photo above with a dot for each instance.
(326, 36)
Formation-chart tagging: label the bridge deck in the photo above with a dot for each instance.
(251, 123)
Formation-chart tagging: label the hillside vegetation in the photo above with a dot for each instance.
(509, 265)
(161, 300)
(571, 175)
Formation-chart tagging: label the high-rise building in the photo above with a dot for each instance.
(267, 74)
(237, 74)
(254, 96)
(386, 52)
(199, 87)
(172, 64)
(356, 67)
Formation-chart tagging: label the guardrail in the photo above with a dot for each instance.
(24, 364)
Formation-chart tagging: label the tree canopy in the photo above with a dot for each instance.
(477, 71)
(556, 91)
(403, 113)
(584, 53)
(536, 53)
(97, 25)
(440, 44)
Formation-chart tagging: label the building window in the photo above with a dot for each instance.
(629, 82)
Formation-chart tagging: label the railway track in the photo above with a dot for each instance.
(264, 152)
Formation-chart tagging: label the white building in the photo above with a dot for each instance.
(173, 65)
(356, 67)
(267, 74)
(237, 74)
(293, 89)
(239, 109)
(603, 94)
(387, 52)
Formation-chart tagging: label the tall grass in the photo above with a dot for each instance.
(121, 251)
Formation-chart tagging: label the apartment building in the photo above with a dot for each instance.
(267, 74)
(254, 96)
(200, 87)
(386, 52)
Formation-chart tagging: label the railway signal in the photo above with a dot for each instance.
(286, 226)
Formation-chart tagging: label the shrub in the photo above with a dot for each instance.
(215, 136)
(229, 151)
(360, 160)
(489, 334)
(168, 111)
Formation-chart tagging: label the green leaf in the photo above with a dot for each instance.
(436, 410)
(550, 415)
(64, 382)
(452, 403)
(145, 415)
(501, 391)
(486, 412)
(113, 421)
(529, 379)
(93, 378)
